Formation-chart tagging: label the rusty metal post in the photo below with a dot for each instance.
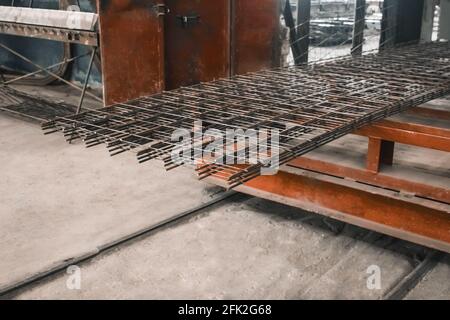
(86, 80)
(379, 152)
(358, 28)
(303, 29)
(389, 24)
(290, 23)
(402, 22)
(409, 24)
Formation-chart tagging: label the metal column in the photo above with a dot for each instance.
(409, 23)
(444, 20)
(428, 20)
(389, 24)
(290, 23)
(303, 29)
(402, 22)
(358, 29)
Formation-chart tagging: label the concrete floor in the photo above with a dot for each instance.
(251, 249)
(60, 201)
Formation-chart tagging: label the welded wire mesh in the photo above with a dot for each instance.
(35, 108)
(309, 105)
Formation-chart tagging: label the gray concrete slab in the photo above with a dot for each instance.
(58, 201)
(252, 249)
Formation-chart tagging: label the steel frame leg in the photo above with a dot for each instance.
(86, 80)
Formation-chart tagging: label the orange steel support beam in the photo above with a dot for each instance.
(378, 179)
(430, 113)
(382, 137)
(368, 197)
(409, 133)
(413, 219)
(380, 151)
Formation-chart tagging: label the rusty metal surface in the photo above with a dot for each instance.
(432, 113)
(381, 179)
(383, 136)
(309, 105)
(410, 133)
(131, 40)
(379, 152)
(197, 40)
(255, 39)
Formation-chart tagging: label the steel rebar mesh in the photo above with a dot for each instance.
(27, 106)
(309, 106)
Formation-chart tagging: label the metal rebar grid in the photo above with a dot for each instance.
(36, 108)
(309, 106)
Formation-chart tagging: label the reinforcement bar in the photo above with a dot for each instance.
(309, 106)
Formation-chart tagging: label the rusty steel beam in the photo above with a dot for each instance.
(380, 179)
(431, 113)
(413, 219)
(379, 152)
(409, 133)
(382, 138)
